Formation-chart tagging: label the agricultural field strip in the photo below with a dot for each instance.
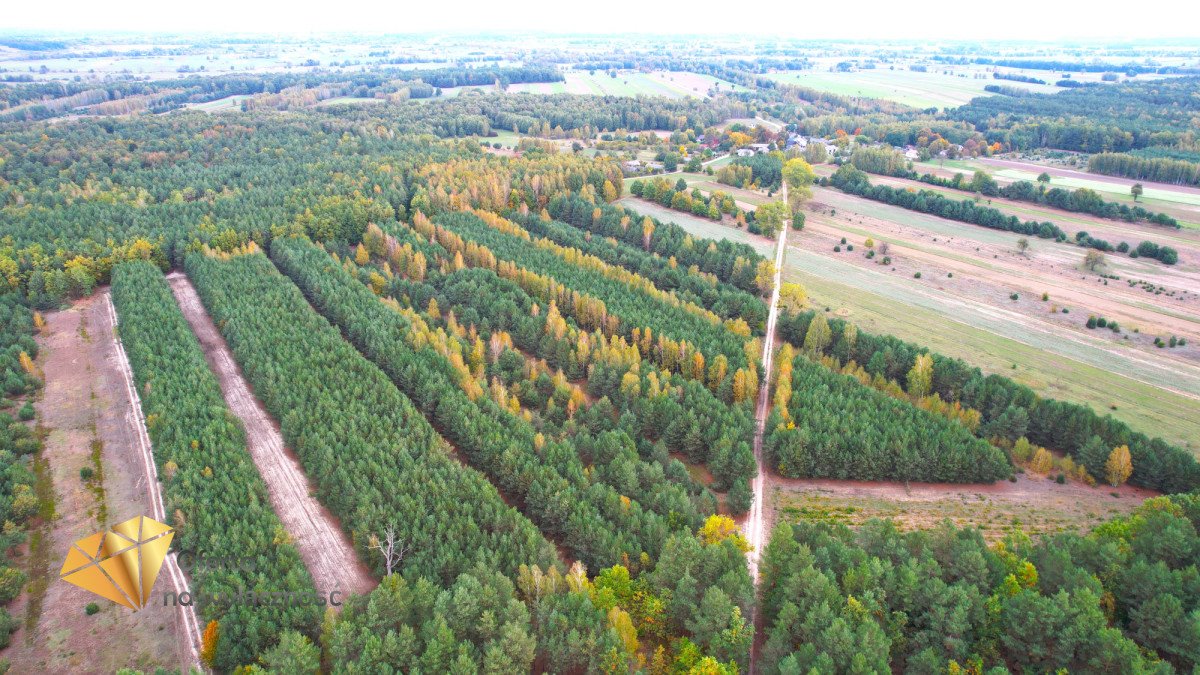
(890, 292)
(1147, 408)
(1013, 325)
(179, 581)
(1035, 279)
(327, 552)
(1069, 221)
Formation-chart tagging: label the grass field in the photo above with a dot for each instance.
(919, 90)
(630, 83)
(1181, 203)
(228, 103)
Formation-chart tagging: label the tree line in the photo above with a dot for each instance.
(1159, 169)
(732, 263)
(879, 600)
(1083, 200)
(851, 180)
(214, 496)
(686, 281)
(1009, 410)
(375, 460)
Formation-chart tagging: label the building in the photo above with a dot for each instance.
(745, 152)
(760, 148)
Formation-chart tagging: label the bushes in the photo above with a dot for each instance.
(218, 515)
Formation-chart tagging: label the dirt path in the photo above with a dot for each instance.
(323, 545)
(753, 528)
(91, 421)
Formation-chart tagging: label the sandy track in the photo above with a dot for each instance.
(88, 412)
(324, 547)
(754, 525)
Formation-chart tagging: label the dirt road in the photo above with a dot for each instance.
(91, 420)
(323, 545)
(753, 528)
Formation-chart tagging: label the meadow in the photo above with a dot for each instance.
(919, 90)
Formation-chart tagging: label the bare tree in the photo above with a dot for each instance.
(393, 550)
(1022, 245)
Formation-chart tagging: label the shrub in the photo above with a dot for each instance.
(917, 275)
(26, 413)
(86, 473)
(1014, 296)
(91, 608)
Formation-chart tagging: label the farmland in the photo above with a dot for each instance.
(970, 315)
(453, 353)
(919, 90)
(659, 83)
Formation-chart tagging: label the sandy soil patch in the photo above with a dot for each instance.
(323, 545)
(1035, 504)
(84, 410)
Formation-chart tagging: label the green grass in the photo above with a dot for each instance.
(920, 90)
(228, 103)
(1151, 194)
(506, 139)
(626, 83)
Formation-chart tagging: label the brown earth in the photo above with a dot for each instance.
(323, 545)
(988, 272)
(85, 407)
(1035, 504)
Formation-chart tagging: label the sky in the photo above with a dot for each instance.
(1049, 20)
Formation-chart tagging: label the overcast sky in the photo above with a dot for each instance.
(867, 19)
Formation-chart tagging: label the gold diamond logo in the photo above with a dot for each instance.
(122, 563)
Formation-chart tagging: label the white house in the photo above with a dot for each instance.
(745, 152)
(760, 148)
